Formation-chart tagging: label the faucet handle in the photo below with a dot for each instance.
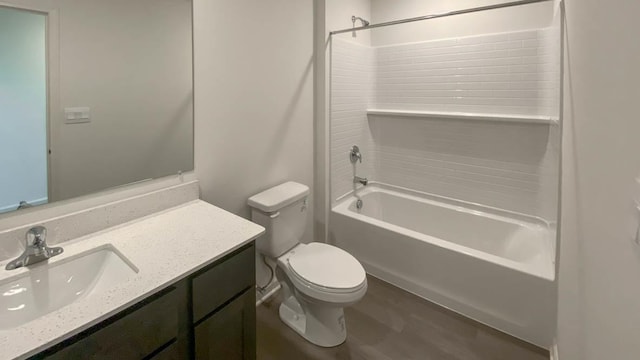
(354, 154)
(36, 236)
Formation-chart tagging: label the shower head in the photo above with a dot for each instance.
(353, 20)
(363, 21)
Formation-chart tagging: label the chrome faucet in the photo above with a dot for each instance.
(354, 154)
(360, 180)
(354, 157)
(36, 249)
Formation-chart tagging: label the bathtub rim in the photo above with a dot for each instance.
(373, 185)
(547, 273)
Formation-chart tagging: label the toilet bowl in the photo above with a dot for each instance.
(318, 280)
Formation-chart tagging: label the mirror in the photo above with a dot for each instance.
(93, 94)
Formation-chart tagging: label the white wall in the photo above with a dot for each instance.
(513, 166)
(338, 17)
(599, 293)
(510, 72)
(254, 70)
(23, 109)
(330, 15)
(131, 63)
(508, 166)
(254, 98)
(352, 93)
(517, 18)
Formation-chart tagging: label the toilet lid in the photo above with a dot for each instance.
(327, 266)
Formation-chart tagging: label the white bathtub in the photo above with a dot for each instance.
(492, 266)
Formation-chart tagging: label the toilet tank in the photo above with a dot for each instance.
(282, 211)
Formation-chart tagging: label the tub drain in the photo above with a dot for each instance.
(359, 204)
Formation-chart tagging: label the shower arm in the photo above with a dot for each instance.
(362, 21)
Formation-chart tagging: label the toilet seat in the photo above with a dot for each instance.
(327, 273)
(326, 266)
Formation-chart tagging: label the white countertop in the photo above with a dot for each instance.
(165, 247)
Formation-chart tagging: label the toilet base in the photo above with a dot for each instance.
(320, 324)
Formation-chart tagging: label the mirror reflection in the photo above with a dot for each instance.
(93, 94)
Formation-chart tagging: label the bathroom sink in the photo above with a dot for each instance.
(46, 288)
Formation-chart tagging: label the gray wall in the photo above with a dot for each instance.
(254, 98)
(131, 63)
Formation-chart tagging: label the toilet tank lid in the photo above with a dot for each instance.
(278, 197)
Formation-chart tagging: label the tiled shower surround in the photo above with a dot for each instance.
(511, 165)
(352, 91)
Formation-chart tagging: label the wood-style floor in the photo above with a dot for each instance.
(391, 324)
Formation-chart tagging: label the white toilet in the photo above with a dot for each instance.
(318, 280)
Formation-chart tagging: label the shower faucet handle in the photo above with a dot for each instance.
(354, 154)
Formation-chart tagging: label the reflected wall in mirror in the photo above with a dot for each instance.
(93, 94)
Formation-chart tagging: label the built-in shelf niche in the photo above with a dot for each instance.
(525, 119)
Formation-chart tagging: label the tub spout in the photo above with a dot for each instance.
(360, 180)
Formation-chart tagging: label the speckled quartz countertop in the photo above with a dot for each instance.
(165, 247)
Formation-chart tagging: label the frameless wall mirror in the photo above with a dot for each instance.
(93, 94)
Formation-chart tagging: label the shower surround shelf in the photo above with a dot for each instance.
(524, 119)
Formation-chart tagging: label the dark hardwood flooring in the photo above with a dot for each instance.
(391, 324)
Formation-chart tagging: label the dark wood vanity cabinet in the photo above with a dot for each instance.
(135, 333)
(229, 333)
(224, 315)
(209, 315)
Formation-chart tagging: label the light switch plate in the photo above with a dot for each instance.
(77, 115)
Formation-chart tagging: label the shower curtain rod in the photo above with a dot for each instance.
(434, 16)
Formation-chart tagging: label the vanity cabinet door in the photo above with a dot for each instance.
(136, 335)
(216, 285)
(230, 333)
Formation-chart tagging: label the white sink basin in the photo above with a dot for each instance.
(47, 288)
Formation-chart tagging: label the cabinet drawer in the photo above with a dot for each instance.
(218, 284)
(136, 335)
